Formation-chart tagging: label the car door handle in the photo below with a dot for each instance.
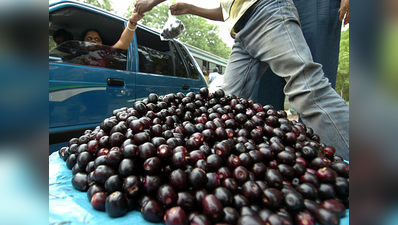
(185, 86)
(115, 82)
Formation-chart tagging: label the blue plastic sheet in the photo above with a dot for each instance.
(70, 206)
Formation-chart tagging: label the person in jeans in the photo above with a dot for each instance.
(321, 22)
(268, 35)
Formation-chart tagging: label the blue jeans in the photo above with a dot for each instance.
(321, 28)
(272, 37)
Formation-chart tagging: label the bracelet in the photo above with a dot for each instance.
(132, 23)
(131, 29)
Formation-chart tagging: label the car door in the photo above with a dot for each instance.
(82, 95)
(161, 69)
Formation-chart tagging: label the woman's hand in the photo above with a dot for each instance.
(344, 11)
(135, 16)
(180, 8)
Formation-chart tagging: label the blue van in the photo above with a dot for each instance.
(83, 94)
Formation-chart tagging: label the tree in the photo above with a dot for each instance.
(198, 32)
(343, 81)
(106, 4)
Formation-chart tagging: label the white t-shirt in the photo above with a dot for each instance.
(213, 76)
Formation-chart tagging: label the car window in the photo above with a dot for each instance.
(157, 56)
(191, 66)
(85, 53)
(72, 23)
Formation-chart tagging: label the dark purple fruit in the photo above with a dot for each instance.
(167, 195)
(141, 138)
(264, 213)
(114, 158)
(247, 211)
(230, 184)
(212, 207)
(116, 204)
(341, 168)
(240, 201)
(131, 186)
(285, 157)
(152, 165)
(224, 195)
(199, 219)
(326, 191)
(241, 174)
(272, 198)
(152, 211)
(252, 220)
(274, 178)
(231, 216)
(286, 171)
(277, 219)
(127, 167)
(294, 201)
(94, 189)
(178, 179)
(310, 178)
(251, 190)
(311, 205)
(71, 161)
(179, 160)
(146, 150)
(326, 175)
(341, 186)
(233, 161)
(113, 183)
(326, 217)
(258, 169)
(150, 184)
(79, 181)
(213, 181)
(320, 162)
(116, 138)
(98, 200)
(186, 201)
(309, 152)
(308, 191)
(164, 151)
(102, 173)
(198, 178)
(304, 218)
(175, 216)
(84, 158)
(334, 206)
(246, 160)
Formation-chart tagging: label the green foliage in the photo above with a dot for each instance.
(106, 4)
(198, 32)
(343, 79)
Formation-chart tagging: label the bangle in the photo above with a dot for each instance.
(130, 28)
(133, 23)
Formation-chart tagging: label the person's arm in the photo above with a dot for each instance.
(128, 34)
(185, 8)
(144, 6)
(344, 11)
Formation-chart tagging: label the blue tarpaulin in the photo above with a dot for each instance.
(70, 206)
